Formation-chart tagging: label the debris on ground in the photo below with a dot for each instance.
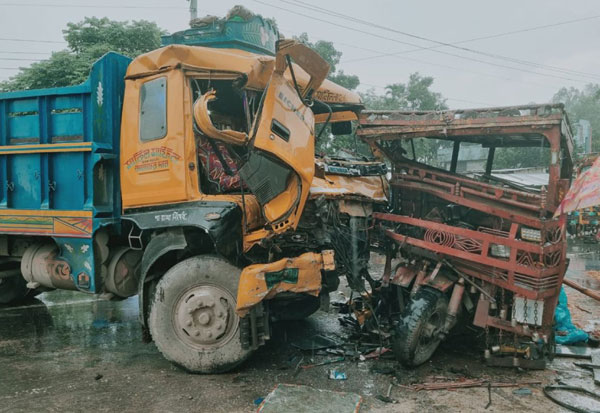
(293, 398)
(376, 353)
(316, 342)
(523, 391)
(580, 406)
(464, 383)
(386, 399)
(337, 375)
(98, 377)
(323, 363)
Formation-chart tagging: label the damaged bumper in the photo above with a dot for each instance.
(302, 274)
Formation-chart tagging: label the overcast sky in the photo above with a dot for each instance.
(566, 54)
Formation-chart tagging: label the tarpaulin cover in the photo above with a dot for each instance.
(566, 332)
(584, 192)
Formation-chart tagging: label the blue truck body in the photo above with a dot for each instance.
(59, 163)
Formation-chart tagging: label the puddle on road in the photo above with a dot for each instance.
(70, 321)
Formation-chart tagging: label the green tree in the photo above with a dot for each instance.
(332, 56)
(414, 95)
(87, 42)
(582, 104)
(328, 143)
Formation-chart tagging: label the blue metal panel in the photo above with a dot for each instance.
(67, 184)
(25, 181)
(59, 150)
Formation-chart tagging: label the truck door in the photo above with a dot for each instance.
(280, 166)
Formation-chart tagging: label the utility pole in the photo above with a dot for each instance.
(193, 9)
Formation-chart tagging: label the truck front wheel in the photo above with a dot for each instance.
(192, 316)
(418, 331)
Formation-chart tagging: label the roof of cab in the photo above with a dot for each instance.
(257, 68)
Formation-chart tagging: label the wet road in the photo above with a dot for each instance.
(71, 352)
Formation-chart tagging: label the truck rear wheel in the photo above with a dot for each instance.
(13, 290)
(192, 317)
(418, 332)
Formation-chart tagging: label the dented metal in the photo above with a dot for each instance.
(302, 274)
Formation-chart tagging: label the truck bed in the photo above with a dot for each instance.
(59, 148)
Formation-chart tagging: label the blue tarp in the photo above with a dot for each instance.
(563, 323)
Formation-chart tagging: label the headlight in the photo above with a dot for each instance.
(500, 251)
(531, 234)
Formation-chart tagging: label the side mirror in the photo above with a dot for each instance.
(341, 128)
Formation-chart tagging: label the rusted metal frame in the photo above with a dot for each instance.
(454, 160)
(497, 196)
(387, 270)
(453, 252)
(516, 216)
(483, 121)
(525, 292)
(473, 267)
(553, 136)
(500, 109)
(490, 160)
(503, 200)
(467, 278)
(459, 190)
(468, 233)
(449, 131)
(420, 280)
(425, 169)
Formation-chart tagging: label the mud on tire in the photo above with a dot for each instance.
(192, 316)
(416, 336)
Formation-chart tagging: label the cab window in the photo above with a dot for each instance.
(153, 110)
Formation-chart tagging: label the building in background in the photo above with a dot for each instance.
(583, 136)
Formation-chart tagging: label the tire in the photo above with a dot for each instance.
(192, 316)
(417, 334)
(13, 290)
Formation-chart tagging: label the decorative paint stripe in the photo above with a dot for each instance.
(53, 234)
(77, 224)
(45, 148)
(20, 225)
(33, 213)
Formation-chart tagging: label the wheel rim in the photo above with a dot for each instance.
(205, 317)
(429, 336)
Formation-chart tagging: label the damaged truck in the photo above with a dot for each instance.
(188, 177)
(464, 244)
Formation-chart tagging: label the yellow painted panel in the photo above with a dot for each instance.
(300, 275)
(153, 172)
